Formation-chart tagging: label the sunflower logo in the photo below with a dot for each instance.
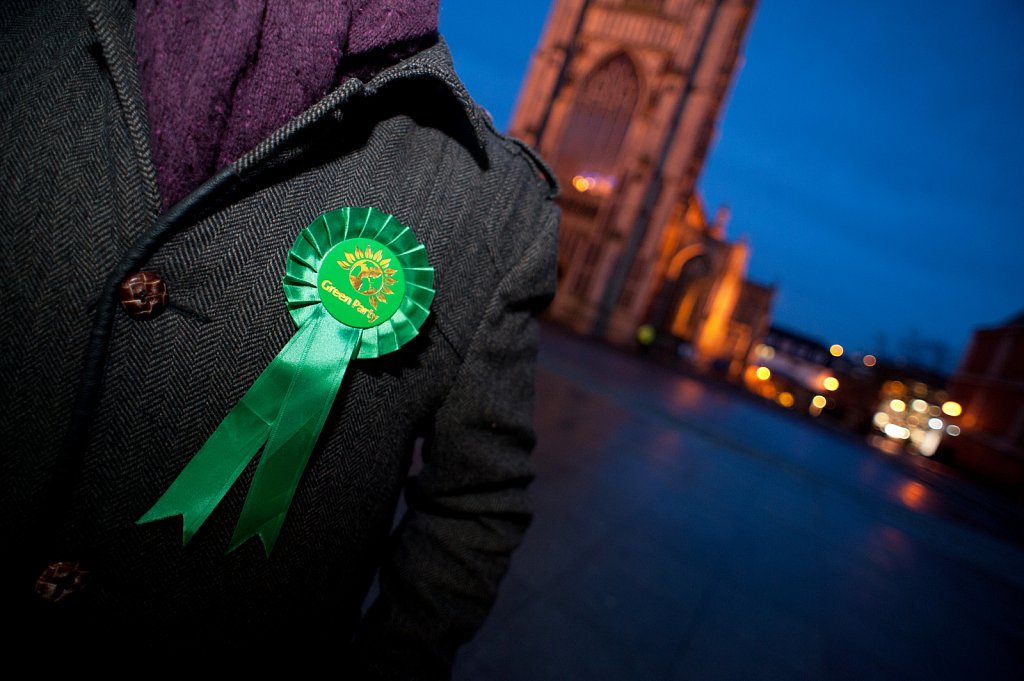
(369, 274)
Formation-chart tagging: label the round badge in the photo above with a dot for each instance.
(361, 283)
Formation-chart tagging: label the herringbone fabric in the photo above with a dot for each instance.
(77, 207)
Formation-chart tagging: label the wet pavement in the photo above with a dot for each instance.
(683, 531)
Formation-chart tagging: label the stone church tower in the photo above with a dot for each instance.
(621, 98)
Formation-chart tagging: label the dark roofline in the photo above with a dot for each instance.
(797, 336)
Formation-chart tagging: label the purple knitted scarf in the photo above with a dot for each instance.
(218, 77)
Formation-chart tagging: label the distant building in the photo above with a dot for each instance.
(622, 98)
(900, 407)
(989, 385)
(800, 373)
(703, 303)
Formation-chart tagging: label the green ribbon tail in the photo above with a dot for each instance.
(318, 366)
(278, 405)
(213, 470)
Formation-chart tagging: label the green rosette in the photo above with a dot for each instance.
(358, 285)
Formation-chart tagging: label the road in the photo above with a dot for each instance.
(684, 531)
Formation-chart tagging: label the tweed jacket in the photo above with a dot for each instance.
(102, 411)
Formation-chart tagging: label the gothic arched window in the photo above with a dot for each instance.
(597, 123)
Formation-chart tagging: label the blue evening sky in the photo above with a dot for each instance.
(870, 151)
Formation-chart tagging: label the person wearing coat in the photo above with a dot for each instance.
(144, 293)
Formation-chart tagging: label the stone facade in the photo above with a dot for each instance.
(622, 97)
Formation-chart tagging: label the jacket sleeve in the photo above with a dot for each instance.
(467, 509)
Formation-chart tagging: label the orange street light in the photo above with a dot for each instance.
(952, 408)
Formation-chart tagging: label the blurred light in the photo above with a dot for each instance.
(896, 432)
(836, 350)
(953, 430)
(764, 373)
(930, 442)
(819, 401)
(935, 424)
(765, 351)
(920, 389)
(898, 405)
(884, 444)
(881, 418)
(912, 494)
(913, 420)
(786, 399)
(893, 387)
(870, 360)
(600, 185)
(919, 405)
(952, 408)
(645, 334)
(934, 410)
(830, 383)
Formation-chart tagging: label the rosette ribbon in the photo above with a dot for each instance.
(358, 285)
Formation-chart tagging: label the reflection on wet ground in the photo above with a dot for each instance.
(685, 532)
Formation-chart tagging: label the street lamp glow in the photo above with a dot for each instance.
(831, 383)
(935, 424)
(898, 405)
(953, 430)
(764, 373)
(893, 387)
(952, 408)
(836, 350)
(897, 432)
(819, 401)
(645, 334)
(919, 406)
(870, 360)
(786, 399)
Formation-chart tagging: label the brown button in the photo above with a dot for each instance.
(143, 295)
(60, 580)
